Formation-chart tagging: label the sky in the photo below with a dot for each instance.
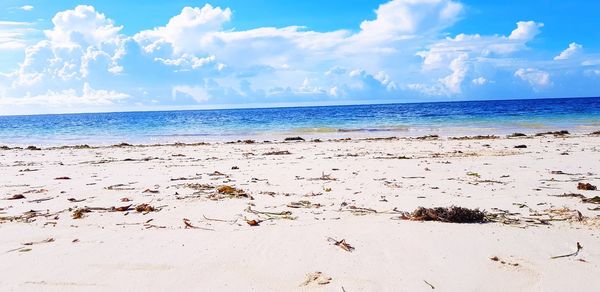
(60, 56)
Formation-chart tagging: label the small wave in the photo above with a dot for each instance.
(183, 135)
(348, 130)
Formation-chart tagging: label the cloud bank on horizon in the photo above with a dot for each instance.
(85, 62)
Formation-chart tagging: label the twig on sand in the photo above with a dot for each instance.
(432, 287)
(188, 224)
(342, 244)
(579, 247)
(218, 220)
(272, 215)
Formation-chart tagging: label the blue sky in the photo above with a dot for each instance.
(74, 56)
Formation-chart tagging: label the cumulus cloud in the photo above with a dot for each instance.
(189, 32)
(82, 26)
(569, 52)
(406, 18)
(526, 30)
(538, 79)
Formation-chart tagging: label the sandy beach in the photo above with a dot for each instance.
(331, 215)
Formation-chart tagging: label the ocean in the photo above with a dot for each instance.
(407, 119)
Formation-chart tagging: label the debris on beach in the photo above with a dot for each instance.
(358, 211)
(281, 152)
(316, 277)
(144, 208)
(324, 177)
(520, 146)
(586, 187)
(428, 137)
(303, 204)
(515, 135)
(226, 191)
(342, 244)
(62, 178)
(199, 187)
(478, 137)
(188, 224)
(497, 259)
(592, 200)
(555, 133)
(293, 139)
(579, 247)
(16, 197)
(271, 215)
(253, 222)
(451, 214)
(79, 213)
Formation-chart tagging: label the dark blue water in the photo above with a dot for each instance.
(444, 118)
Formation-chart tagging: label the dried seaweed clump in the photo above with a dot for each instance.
(514, 135)
(294, 139)
(586, 187)
(144, 208)
(283, 152)
(451, 214)
(478, 137)
(555, 133)
(228, 192)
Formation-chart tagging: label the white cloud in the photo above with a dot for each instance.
(26, 7)
(538, 79)
(187, 60)
(402, 18)
(82, 26)
(479, 81)
(569, 52)
(198, 93)
(70, 97)
(526, 30)
(459, 69)
(13, 34)
(189, 32)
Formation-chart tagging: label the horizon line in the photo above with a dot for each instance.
(284, 105)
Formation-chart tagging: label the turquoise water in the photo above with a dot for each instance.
(444, 118)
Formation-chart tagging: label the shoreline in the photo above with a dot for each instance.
(281, 138)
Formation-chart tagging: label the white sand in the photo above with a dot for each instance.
(119, 251)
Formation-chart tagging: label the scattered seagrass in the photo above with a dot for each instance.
(450, 214)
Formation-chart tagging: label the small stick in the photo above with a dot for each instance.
(579, 247)
(432, 287)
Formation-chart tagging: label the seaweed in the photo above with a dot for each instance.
(282, 152)
(586, 187)
(514, 135)
(226, 191)
(555, 133)
(33, 148)
(144, 208)
(451, 214)
(293, 139)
